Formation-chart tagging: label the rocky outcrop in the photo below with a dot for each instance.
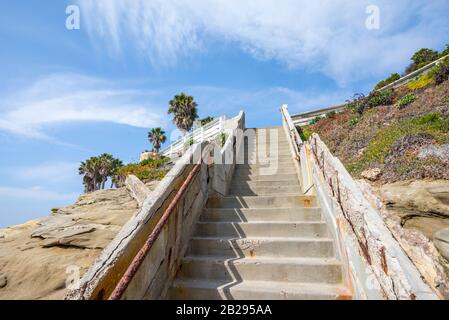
(36, 257)
(441, 240)
(423, 196)
(372, 174)
(419, 246)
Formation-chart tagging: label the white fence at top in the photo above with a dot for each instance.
(414, 75)
(210, 130)
(303, 119)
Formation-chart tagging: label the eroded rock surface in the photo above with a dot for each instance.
(34, 257)
(441, 240)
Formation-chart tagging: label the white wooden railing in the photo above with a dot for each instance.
(302, 119)
(210, 130)
(413, 75)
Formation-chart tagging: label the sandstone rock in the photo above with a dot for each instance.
(441, 241)
(372, 174)
(419, 195)
(3, 281)
(52, 224)
(35, 255)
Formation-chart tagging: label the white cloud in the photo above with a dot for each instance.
(70, 97)
(48, 172)
(329, 36)
(35, 193)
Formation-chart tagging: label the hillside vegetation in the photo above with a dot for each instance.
(404, 132)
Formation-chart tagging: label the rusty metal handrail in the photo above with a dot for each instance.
(125, 280)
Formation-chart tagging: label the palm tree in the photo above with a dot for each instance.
(97, 170)
(156, 137)
(185, 112)
(90, 170)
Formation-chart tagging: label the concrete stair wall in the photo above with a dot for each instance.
(263, 241)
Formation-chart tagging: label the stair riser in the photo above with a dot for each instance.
(261, 202)
(267, 271)
(274, 177)
(236, 183)
(243, 230)
(266, 164)
(261, 160)
(235, 294)
(264, 191)
(272, 170)
(268, 155)
(298, 214)
(261, 248)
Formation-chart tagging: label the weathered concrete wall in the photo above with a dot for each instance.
(137, 189)
(376, 263)
(225, 159)
(160, 266)
(162, 262)
(296, 146)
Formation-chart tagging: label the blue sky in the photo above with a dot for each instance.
(66, 95)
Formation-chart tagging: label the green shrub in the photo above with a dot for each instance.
(390, 79)
(445, 51)
(304, 132)
(206, 120)
(221, 139)
(154, 163)
(379, 146)
(145, 170)
(354, 121)
(406, 100)
(357, 103)
(442, 74)
(189, 143)
(315, 120)
(382, 98)
(421, 58)
(420, 83)
(331, 114)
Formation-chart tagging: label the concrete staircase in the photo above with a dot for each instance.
(263, 241)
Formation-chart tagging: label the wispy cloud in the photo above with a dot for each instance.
(50, 172)
(329, 36)
(71, 97)
(35, 193)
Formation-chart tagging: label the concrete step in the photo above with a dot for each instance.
(284, 201)
(255, 158)
(262, 247)
(243, 190)
(310, 270)
(261, 229)
(264, 177)
(262, 214)
(261, 183)
(274, 169)
(264, 164)
(200, 289)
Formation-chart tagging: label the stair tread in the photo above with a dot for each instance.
(280, 239)
(281, 250)
(313, 208)
(265, 196)
(259, 286)
(263, 222)
(216, 259)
